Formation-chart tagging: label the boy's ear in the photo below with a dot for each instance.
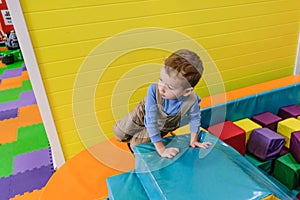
(188, 91)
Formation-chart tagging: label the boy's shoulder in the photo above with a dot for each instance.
(152, 88)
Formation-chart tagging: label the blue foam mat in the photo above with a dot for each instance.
(217, 173)
(125, 186)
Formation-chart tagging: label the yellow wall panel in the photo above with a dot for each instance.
(250, 42)
(70, 34)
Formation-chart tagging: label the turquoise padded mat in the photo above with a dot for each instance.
(217, 173)
(249, 106)
(125, 186)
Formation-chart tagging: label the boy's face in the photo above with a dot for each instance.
(171, 85)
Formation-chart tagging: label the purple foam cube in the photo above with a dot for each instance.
(265, 144)
(295, 145)
(289, 111)
(267, 119)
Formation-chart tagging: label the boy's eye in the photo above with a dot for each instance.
(171, 88)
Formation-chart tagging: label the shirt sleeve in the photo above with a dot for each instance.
(151, 110)
(195, 116)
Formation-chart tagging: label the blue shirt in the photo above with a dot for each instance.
(169, 106)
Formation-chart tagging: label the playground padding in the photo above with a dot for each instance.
(84, 177)
(215, 173)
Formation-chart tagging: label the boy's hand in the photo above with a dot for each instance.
(203, 145)
(168, 152)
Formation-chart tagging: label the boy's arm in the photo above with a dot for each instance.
(165, 152)
(195, 118)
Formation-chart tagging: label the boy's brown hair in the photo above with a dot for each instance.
(187, 63)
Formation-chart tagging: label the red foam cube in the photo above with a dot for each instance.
(231, 134)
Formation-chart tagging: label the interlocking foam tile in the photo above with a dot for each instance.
(27, 115)
(11, 66)
(247, 125)
(295, 145)
(23, 145)
(26, 98)
(230, 134)
(9, 113)
(5, 184)
(30, 180)
(35, 195)
(287, 171)
(11, 73)
(6, 160)
(35, 159)
(14, 93)
(286, 127)
(8, 130)
(264, 165)
(14, 82)
(267, 119)
(265, 144)
(289, 111)
(28, 134)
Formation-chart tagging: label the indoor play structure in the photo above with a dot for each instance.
(98, 57)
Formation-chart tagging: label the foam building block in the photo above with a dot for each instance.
(267, 119)
(264, 165)
(265, 144)
(247, 125)
(289, 111)
(271, 197)
(284, 151)
(295, 145)
(287, 171)
(286, 127)
(231, 134)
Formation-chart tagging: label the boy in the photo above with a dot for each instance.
(165, 105)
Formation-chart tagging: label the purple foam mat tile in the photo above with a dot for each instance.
(24, 67)
(31, 160)
(7, 114)
(9, 105)
(27, 98)
(5, 185)
(11, 73)
(29, 181)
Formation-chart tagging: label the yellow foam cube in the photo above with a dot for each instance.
(287, 127)
(247, 125)
(270, 197)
